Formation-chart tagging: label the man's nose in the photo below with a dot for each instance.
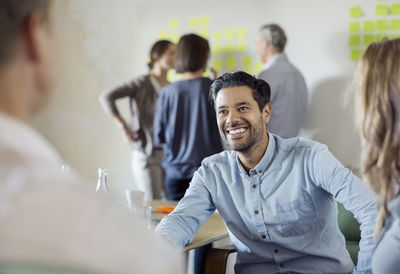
(232, 117)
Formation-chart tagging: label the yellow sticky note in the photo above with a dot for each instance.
(217, 64)
(395, 24)
(204, 33)
(229, 49)
(231, 63)
(171, 75)
(229, 34)
(382, 25)
(354, 40)
(369, 39)
(381, 36)
(369, 25)
(355, 12)
(162, 35)
(247, 61)
(355, 54)
(355, 27)
(258, 67)
(217, 49)
(206, 74)
(174, 23)
(217, 36)
(395, 9)
(382, 10)
(205, 20)
(394, 35)
(193, 23)
(174, 37)
(242, 47)
(241, 33)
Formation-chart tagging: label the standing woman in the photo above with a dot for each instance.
(377, 101)
(143, 93)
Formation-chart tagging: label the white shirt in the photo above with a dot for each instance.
(52, 219)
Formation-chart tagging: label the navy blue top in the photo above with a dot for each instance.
(185, 122)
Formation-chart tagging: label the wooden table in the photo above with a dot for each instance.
(212, 230)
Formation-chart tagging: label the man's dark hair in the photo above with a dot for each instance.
(13, 16)
(192, 53)
(261, 89)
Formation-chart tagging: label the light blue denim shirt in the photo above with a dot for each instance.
(282, 218)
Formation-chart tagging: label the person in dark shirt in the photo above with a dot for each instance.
(185, 121)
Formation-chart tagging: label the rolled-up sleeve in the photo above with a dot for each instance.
(107, 99)
(190, 214)
(355, 196)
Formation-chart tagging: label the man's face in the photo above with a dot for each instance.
(241, 123)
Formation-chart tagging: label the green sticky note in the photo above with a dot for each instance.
(229, 49)
(217, 64)
(382, 25)
(193, 23)
(217, 36)
(174, 37)
(204, 33)
(247, 61)
(395, 24)
(217, 49)
(205, 20)
(382, 10)
(174, 23)
(395, 9)
(355, 27)
(394, 35)
(242, 47)
(258, 67)
(355, 12)
(381, 36)
(369, 25)
(171, 75)
(229, 34)
(241, 33)
(355, 54)
(369, 39)
(354, 40)
(231, 63)
(162, 35)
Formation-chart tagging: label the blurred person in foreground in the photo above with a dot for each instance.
(377, 105)
(51, 220)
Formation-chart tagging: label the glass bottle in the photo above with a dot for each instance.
(102, 181)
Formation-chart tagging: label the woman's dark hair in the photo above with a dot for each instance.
(192, 53)
(158, 49)
(261, 89)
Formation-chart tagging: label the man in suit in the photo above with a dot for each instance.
(288, 87)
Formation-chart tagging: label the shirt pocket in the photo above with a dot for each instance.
(296, 217)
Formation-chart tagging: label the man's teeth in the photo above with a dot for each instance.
(236, 131)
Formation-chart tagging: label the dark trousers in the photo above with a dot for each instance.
(175, 189)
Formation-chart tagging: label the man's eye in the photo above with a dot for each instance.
(221, 112)
(243, 108)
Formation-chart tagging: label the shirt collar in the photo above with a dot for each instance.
(273, 60)
(265, 160)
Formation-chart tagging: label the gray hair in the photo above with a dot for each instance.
(275, 35)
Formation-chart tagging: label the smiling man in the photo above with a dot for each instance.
(277, 196)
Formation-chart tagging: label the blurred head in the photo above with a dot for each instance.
(26, 49)
(193, 52)
(271, 39)
(377, 110)
(163, 52)
(243, 110)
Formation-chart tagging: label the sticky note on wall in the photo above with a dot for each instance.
(162, 34)
(193, 23)
(229, 49)
(229, 34)
(217, 36)
(205, 20)
(382, 25)
(355, 12)
(242, 47)
(395, 24)
(174, 23)
(247, 61)
(369, 25)
(231, 63)
(241, 33)
(217, 64)
(395, 9)
(355, 54)
(355, 27)
(382, 10)
(174, 37)
(258, 67)
(217, 49)
(354, 40)
(204, 33)
(369, 39)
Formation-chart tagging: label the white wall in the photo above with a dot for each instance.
(103, 43)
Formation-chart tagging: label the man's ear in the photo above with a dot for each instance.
(266, 113)
(33, 37)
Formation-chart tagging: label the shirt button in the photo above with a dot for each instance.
(263, 236)
(256, 212)
(276, 251)
(281, 265)
(260, 171)
(254, 186)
